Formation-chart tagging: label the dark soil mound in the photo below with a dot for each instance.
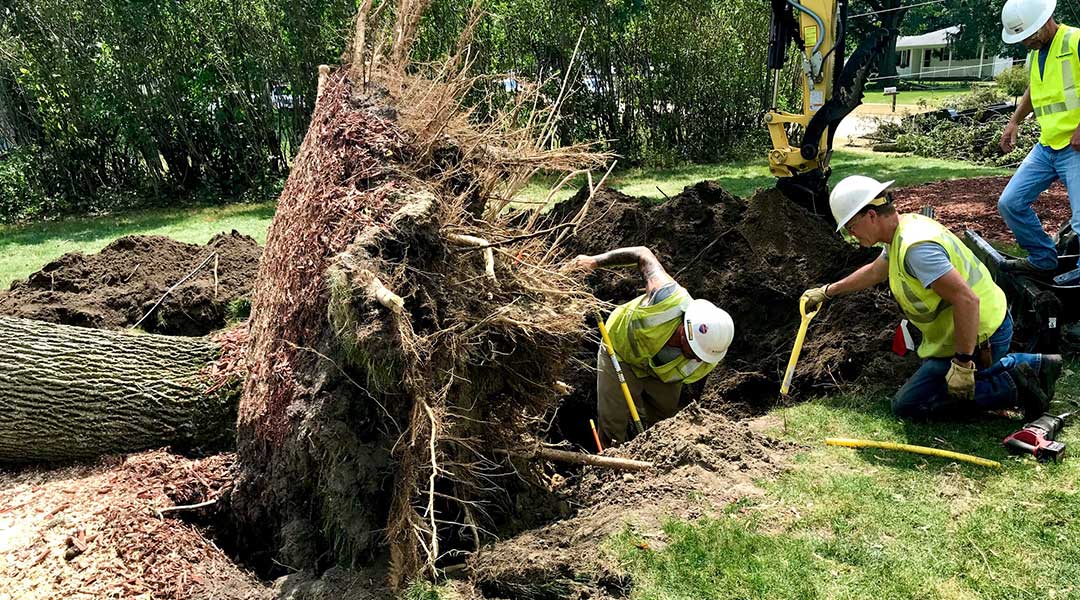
(116, 287)
(704, 461)
(753, 258)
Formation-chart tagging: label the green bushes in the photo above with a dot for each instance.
(157, 99)
(972, 138)
(21, 192)
(1013, 81)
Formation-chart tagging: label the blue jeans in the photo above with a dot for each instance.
(925, 395)
(1042, 167)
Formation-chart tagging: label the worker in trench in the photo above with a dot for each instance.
(951, 298)
(1052, 94)
(663, 339)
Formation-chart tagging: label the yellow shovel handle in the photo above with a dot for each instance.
(618, 371)
(852, 443)
(799, 338)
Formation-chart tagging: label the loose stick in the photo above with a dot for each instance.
(608, 462)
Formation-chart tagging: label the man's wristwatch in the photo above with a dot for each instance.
(960, 357)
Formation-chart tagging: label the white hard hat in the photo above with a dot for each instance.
(852, 194)
(1022, 18)
(709, 330)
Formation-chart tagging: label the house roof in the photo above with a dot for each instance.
(934, 39)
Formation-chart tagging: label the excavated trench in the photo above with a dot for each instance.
(753, 258)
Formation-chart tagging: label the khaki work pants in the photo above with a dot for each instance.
(654, 399)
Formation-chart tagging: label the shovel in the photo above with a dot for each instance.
(799, 338)
(618, 371)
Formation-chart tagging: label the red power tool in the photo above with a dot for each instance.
(1037, 438)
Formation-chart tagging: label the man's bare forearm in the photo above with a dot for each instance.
(1023, 108)
(650, 266)
(864, 277)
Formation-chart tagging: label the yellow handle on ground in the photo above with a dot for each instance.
(618, 371)
(851, 443)
(799, 338)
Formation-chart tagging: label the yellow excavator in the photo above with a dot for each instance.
(831, 88)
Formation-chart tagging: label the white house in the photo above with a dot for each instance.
(930, 56)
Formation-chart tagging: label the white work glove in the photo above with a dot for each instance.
(961, 381)
(815, 297)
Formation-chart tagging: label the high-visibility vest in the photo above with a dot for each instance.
(639, 332)
(923, 306)
(1054, 93)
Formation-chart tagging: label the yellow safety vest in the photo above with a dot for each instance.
(923, 306)
(1054, 94)
(639, 332)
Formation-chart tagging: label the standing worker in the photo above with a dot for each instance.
(663, 339)
(950, 296)
(1054, 96)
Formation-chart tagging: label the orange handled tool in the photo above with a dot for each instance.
(596, 436)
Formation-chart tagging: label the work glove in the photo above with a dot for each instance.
(961, 381)
(815, 297)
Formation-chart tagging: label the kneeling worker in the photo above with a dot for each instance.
(950, 296)
(662, 339)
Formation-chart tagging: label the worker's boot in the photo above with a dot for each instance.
(1023, 266)
(1029, 393)
(1049, 371)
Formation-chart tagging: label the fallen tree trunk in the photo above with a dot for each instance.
(72, 393)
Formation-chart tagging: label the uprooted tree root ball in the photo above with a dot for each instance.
(402, 334)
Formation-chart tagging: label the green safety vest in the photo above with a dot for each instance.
(922, 306)
(639, 332)
(1054, 94)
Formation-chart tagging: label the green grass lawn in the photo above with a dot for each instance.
(743, 177)
(25, 249)
(853, 524)
(937, 96)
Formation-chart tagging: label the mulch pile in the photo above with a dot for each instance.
(961, 204)
(93, 531)
(118, 286)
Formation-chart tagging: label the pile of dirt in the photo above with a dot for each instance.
(961, 204)
(704, 461)
(118, 286)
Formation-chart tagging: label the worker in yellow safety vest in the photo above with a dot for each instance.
(663, 339)
(949, 295)
(1054, 96)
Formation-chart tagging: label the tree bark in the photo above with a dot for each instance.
(73, 393)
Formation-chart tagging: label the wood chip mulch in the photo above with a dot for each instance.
(94, 531)
(961, 204)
